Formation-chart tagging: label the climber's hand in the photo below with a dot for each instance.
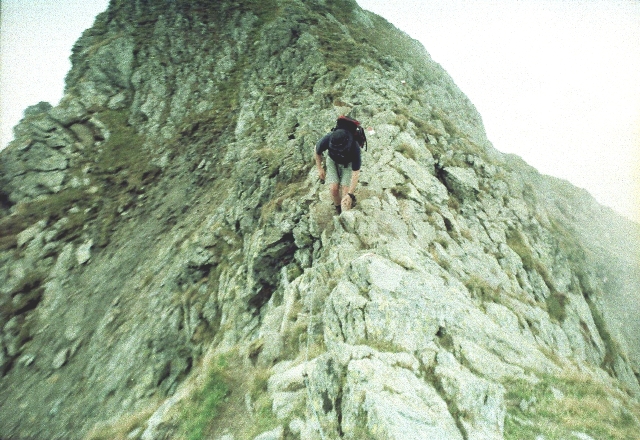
(322, 174)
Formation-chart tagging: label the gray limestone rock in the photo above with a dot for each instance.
(83, 253)
(68, 113)
(39, 108)
(385, 402)
(275, 434)
(164, 240)
(480, 402)
(461, 181)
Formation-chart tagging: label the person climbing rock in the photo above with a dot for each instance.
(343, 166)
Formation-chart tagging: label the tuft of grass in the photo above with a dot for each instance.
(51, 208)
(518, 243)
(449, 122)
(612, 347)
(22, 298)
(270, 159)
(263, 417)
(203, 408)
(407, 150)
(401, 191)
(556, 302)
(558, 406)
(383, 345)
(557, 306)
(480, 288)
(123, 150)
(231, 397)
(221, 12)
(123, 427)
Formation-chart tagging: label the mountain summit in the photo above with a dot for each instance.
(172, 267)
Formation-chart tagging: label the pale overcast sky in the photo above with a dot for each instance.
(557, 82)
(36, 37)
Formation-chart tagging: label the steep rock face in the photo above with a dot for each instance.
(165, 238)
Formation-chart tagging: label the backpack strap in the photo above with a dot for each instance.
(361, 138)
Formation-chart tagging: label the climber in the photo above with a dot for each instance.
(343, 167)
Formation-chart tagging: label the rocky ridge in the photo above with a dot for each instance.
(165, 240)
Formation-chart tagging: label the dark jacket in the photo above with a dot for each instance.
(352, 153)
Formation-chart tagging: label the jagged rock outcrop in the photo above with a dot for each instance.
(171, 266)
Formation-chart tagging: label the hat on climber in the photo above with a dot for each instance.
(340, 139)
